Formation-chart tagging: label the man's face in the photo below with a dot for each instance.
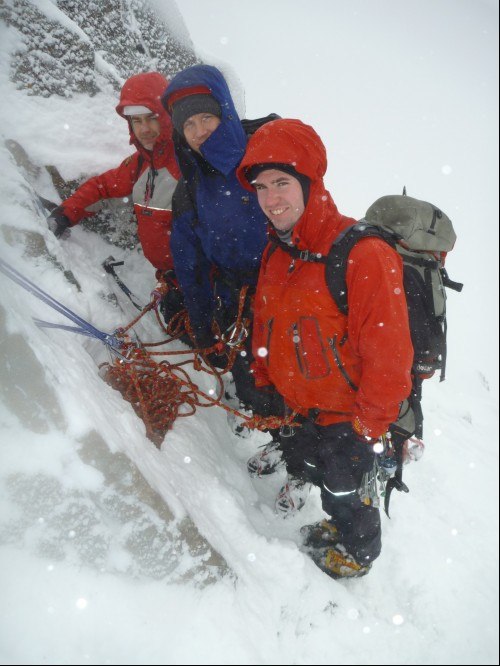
(146, 128)
(281, 198)
(198, 128)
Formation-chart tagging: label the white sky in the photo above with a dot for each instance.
(401, 93)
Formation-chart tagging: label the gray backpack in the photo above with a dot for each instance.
(422, 234)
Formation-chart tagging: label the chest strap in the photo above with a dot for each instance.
(303, 255)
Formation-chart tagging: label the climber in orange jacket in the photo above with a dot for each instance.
(344, 375)
(149, 176)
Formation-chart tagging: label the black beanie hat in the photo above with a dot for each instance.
(305, 182)
(190, 106)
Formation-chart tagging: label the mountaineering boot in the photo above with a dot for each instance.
(336, 562)
(292, 496)
(267, 460)
(321, 541)
(319, 535)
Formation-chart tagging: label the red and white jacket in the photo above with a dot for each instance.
(348, 368)
(148, 177)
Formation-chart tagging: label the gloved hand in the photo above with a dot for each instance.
(204, 338)
(268, 402)
(158, 293)
(171, 304)
(216, 358)
(167, 294)
(59, 223)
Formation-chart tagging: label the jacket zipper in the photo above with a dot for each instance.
(333, 344)
(295, 339)
(268, 342)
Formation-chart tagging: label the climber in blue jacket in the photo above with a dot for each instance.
(219, 231)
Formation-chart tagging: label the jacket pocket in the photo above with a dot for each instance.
(310, 351)
(335, 345)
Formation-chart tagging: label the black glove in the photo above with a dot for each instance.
(171, 279)
(59, 223)
(172, 303)
(204, 337)
(206, 340)
(268, 402)
(217, 360)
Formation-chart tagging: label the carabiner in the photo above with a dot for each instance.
(234, 335)
(287, 430)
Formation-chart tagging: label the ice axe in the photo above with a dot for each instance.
(109, 266)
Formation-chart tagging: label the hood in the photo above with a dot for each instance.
(224, 149)
(290, 141)
(286, 141)
(146, 90)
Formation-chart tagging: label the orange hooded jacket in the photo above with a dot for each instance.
(150, 177)
(354, 367)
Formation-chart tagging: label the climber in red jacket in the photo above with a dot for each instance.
(149, 176)
(345, 375)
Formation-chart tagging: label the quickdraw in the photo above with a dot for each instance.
(110, 340)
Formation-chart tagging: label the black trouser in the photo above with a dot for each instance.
(264, 402)
(331, 458)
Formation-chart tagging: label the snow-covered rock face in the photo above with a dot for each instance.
(54, 58)
(79, 46)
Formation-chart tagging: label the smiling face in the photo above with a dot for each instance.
(198, 128)
(146, 128)
(281, 198)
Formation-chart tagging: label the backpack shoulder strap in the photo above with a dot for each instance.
(336, 259)
(336, 262)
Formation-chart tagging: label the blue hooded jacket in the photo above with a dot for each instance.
(219, 231)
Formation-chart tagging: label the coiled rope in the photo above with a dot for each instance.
(160, 392)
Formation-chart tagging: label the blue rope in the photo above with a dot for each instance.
(83, 327)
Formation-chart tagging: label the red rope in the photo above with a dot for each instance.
(161, 392)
